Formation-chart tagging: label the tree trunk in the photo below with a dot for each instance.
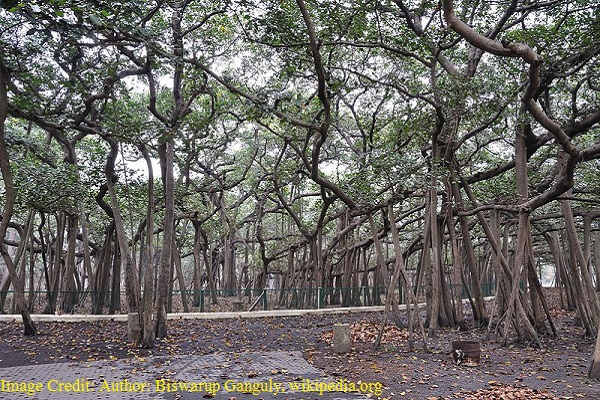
(114, 304)
(587, 304)
(145, 315)
(19, 261)
(502, 283)
(56, 265)
(479, 311)
(132, 290)
(597, 259)
(180, 278)
(87, 259)
(32, 269)
(522, 180)
(210, 267)
(198, 278)
(456, 286)
(435, 260)
(10, 196)
(564, 281)
(229, 275)
(69, 295)
(517, 310)
(514, 276)
(400, 273)
(102, 274)
(381, 268)
(594, 371)
(166, 257)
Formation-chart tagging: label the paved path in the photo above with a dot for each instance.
(224, 376)
(197, 315)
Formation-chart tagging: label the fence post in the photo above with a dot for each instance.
(265, 303)
(319, 298)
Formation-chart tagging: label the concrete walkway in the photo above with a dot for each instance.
(207, 315)
(256, 375)
(204, 315)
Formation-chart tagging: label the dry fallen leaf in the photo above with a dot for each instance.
(367, 332)
(506, 392)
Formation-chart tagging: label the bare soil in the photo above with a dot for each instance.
(517, 371)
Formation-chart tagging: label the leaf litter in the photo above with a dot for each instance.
(514, 372)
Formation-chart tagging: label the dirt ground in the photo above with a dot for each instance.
(513, 372)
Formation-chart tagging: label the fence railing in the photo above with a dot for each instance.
(206, 300)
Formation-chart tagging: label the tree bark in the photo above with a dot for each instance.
(197, 252)
(147, 327)
(587, 304)
(19, 260)
(412, 306)
(564, 281)
(479, 312)
(594, 371)
(502, 282)
(102, 273)
(516, 308)
(597, 259)
(522, 181)
(132, 289)
(166, 153)
(180, 277)
(87, 259)
(56, 264)
(11, 194)
(69, 295)
(457, 266)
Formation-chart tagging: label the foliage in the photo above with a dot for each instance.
(290, 124)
